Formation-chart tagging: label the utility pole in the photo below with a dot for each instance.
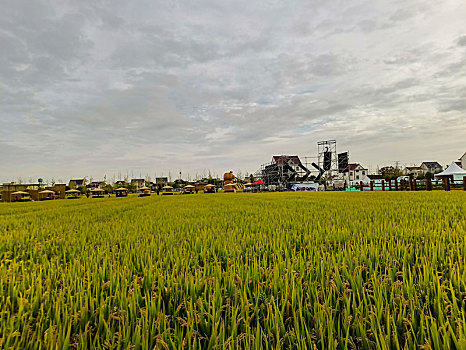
(397, 163)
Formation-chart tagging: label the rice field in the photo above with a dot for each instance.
(369, 270)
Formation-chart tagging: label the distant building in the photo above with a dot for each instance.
(161, 181)
(138, 183)
(76, 183)
(413, 170)
(431, 167)
(293, 161)
(356, 172)
(120, 183)
(96, 184)
(284, 170)
(463, 161)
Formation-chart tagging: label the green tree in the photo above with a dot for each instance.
(390, 173)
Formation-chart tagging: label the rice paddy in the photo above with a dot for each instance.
(381, 270)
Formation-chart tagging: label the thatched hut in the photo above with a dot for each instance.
(121, 192)
(189, 189)
(145, 191)
(20, 196)
(167, 190)
(97, 193)
(209, 188)
(46, 195)
(72, 194)
(231, 187)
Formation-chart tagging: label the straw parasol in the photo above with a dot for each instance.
(144, 188)
(167, 187)
(97, 190)
(121, 189)
(46, 192)
(72, 191)
(209, 185)
(20, 192)
(189, 186)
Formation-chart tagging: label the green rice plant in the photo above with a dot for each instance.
(360, 270)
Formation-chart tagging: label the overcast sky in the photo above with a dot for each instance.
(94, 88)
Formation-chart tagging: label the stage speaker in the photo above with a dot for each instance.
(327, 160)
(343, 162)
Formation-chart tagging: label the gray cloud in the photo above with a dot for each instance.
(95, 87)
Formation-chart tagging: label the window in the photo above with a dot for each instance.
(364, 173)
(357, 177)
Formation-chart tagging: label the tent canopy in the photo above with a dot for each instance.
(258, 182)
(72, 191)
(452, 170)
(46, 192)
(121, 189)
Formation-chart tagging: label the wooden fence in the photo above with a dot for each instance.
(414, 185)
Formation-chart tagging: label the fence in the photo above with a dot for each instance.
(445, 184)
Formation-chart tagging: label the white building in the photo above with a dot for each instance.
(356, 173)
(463, 161)
(413, 170)
(431, 167)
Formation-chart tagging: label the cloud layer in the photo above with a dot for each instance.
(108, 87)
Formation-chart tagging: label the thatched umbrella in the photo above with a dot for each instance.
(72, 193)
(121, 192)
(97, 192)
(46, 194)
(21, 194)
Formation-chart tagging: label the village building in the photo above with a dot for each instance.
(413, 170)
(138, 183)
(431, 167)
(33, 190)
(77, 183)
(96, 184)
(356, 173)
(162, 181)
(463, 161)
(293, 161)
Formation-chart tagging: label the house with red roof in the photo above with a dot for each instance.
(356, 173)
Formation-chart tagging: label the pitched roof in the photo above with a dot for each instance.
(413, 167)
(78, 181)
(432, 164)
(286, 159)
(353, 166)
